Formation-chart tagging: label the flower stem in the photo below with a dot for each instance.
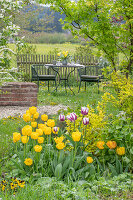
(75, 150)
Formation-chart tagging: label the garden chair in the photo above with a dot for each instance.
(85, 74)
(41, 73)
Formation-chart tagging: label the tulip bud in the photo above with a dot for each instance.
(72, 117)
(85, 120)
(55, 130)
(84, 110)
(62, 117)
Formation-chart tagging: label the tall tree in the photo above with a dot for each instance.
(107, 23)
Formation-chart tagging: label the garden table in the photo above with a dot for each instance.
(71, 66)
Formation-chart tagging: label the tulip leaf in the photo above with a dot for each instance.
(68, 137)
(58, 170)
(66, 164)
(79, 160)
(17, 165)
(112, 169)
(61, 156)
(99, 164)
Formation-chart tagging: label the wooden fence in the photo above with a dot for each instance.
(24, 63)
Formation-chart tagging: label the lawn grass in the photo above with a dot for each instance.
(77, 100)
(52, 189)
(46, 48)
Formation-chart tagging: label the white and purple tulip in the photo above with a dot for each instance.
(85, 120)
(72, 117)
(55, 129)
(84, 110)
(62, 117)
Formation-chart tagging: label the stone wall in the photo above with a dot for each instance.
(18, 94)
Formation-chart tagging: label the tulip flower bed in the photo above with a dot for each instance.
(41, 149)
(82, 153)
(78, 152)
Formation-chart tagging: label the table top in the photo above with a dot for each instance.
(61, 65)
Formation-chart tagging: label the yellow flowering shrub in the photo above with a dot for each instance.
(93, 131)
(124, 90)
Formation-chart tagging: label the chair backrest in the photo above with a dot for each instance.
(90, 70)
(40, 69)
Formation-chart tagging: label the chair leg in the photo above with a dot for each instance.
(55, 85)
(38, 84)
(85, 86)
(65, 86)
(79, 86)
(98, 87)
(48, 85)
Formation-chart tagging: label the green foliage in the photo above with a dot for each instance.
(120, 129)
(50, 188)
(102, 22)
(47, 38)
(83, 51)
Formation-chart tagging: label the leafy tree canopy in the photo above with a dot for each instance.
(108, 23)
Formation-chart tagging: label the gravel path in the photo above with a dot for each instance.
(6, 111)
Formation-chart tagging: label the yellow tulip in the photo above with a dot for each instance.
(32, 110)
(16, 137)
(44, 117)
(34, 124)
(111, 144)
(41, 126)
(59, 139)
(58, 54)
(76, 136)
(51, 123)
(26, 117)
(120, 151)
(47, 130)
(89, 159)
(34, 135)
(38, 148)
(28, 161)
(40, 140)
(60, 145)
(27, 130)
(24, 139)
(100, 144)
(36, 115)
(40, 131)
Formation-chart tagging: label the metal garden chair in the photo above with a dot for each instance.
(41, 73)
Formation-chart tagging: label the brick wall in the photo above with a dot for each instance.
(18, 94)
